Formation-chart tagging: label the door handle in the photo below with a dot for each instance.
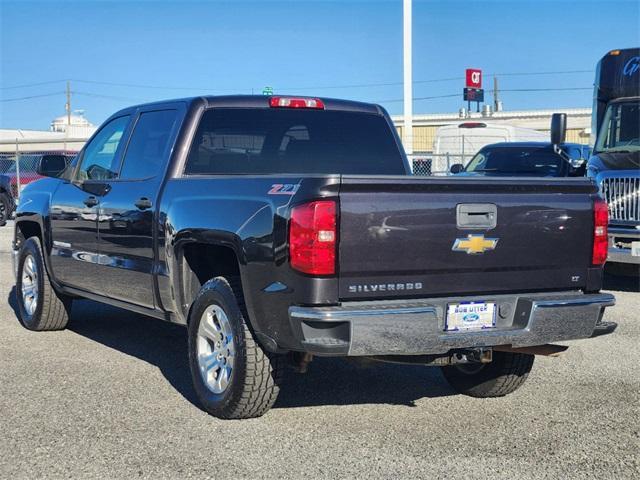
(143, 203)
(482, 216)
(90, 201)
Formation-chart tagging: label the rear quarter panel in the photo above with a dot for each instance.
(239, 212)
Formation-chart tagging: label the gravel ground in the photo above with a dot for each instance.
(111, 397)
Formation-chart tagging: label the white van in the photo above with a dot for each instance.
(458, 143)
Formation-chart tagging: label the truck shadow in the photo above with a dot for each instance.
(329, 381)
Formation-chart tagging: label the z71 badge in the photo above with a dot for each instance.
(283, 189)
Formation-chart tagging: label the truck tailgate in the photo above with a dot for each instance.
(410, 236)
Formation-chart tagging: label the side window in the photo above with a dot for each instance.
(100, 155)
(147, 150)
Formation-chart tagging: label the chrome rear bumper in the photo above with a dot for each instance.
(417, 327)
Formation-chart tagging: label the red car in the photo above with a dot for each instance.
(9, 190)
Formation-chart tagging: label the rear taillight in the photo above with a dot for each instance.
(313, 238)
(600, 240)
(289, 102)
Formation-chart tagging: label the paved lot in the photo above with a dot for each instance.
(111, 397)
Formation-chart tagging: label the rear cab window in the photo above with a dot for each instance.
(296, 141)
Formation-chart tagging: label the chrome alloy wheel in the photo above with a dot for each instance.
(215, 349)
(30, 284)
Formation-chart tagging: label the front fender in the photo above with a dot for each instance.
(34, 208)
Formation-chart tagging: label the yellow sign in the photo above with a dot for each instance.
(474, 244)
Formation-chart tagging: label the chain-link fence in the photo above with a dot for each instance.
(426, 164)
(19, 163)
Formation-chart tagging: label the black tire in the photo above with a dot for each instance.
(255, 378)
(6, 207)
(52, 309)
(505, 374)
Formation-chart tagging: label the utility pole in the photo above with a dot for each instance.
(496, 101)
(67, 106)
(407, 130)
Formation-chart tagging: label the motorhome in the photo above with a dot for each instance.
(615, 163)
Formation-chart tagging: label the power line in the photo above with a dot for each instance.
(138, 85)
(30, 97)
(49, 82)
(110, 97)
(87, 94)
(317, 87)
(560, 89)
(437, 80)
(450, 95)
(395, 100)
(561, 72)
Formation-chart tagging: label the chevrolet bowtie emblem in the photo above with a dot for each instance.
(474, 244)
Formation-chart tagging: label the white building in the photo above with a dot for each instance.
(67, 133)
(425, 126)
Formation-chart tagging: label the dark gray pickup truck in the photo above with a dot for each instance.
(278, 228)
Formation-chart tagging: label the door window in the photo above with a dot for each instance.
(148, 147)
(99, 160)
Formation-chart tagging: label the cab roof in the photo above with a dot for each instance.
(261, 101)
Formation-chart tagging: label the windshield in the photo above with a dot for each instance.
(530, 161)
(620, 131)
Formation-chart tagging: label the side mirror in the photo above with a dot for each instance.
(52, 165)
(456, 168)
(558, 128)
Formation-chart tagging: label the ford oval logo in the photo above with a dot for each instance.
(631, 67)
(471, 317)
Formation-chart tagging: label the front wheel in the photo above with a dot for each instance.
(505, 374)
(232, 375)
(40, 306)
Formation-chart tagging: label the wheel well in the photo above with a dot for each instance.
(202, 262)
(26, 229)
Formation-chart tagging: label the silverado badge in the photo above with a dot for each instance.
(474, 244)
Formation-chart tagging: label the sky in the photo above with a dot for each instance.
(119, 53)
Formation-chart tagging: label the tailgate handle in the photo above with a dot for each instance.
(476, 215)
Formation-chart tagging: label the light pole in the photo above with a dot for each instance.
(407, 130)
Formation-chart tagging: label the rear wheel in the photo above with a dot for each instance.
(40, 306)
(505, 374)
(5, 208)
(233, 376)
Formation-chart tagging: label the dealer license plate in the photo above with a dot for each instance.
(635, 249)
(470, 316)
